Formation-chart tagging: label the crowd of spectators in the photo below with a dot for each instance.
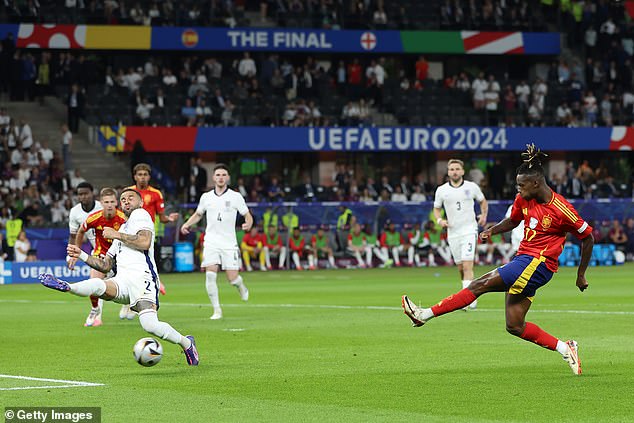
(323, 14)
(34, 185)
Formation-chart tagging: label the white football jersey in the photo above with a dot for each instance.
(517, 234)
(77, 216)
(130, 259)
(221, 217)
(459, 207)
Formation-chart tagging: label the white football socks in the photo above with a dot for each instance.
(212, 289)
(151, 324)
(94, 286)
(562, 347)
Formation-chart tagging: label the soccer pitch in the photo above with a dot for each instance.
(330, 345)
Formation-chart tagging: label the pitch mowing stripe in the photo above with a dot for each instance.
(68, 383)
(346, 307)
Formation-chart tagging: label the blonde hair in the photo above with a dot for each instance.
(107, 191)
(455, 161)
(141, 166)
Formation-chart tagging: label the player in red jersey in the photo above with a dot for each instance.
(108, 217)
(547, 217)
(154, 204)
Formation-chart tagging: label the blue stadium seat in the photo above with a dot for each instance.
(570, 256)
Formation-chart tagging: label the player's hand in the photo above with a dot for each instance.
(109, 233)
(582, 283)
(185, 230)
(73, 251)
(70, 262)
(486, 234)
(172, 217)
(482, 220)
(443, 223)
(246, 226)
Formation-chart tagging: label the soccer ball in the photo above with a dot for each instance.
(147, 352)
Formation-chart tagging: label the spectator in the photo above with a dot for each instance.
(246, 66)
(21, 247)
(590, 108)
(31, 215)
(67, 147)
(75, 105)
(398, 195)
(617, 236)
(523, 93)
(422, 69)
(478, 87)
(143, 111)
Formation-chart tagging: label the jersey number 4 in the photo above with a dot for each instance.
(219, 218)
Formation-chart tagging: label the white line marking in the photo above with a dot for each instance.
(68, 383)
(349, 307)
(234, 330)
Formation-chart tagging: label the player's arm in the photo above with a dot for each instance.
(439, 220)
(78, 240)
(193, 219)
(504, 226)
(248, 221)
(140, 240)
(484, 211)
(586, 253)
(102, 264)
(167, 218)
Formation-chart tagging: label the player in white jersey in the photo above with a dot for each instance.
(457, 198)
(77, 216)
(136, 282)
(517, 234)
(220, 206)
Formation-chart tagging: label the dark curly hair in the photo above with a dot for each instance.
(533, 158)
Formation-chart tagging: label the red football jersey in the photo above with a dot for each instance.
(98, 222)
(153, 201)
(546, 225)
(252, 241)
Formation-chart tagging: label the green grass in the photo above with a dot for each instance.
(308, 348)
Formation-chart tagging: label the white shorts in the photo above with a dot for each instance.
(133, 287)
(462, 247)
(229, 258)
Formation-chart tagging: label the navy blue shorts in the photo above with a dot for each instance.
(524, 274)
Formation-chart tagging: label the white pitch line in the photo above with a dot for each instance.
(68, 383)
(347, 307)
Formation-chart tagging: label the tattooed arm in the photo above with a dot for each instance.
(140, 241)
(102, 264)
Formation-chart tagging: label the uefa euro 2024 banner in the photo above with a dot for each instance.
(28, 272)
(367, 139)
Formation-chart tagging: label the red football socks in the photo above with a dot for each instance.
(95, 301)
(454, 302)
(534, 334)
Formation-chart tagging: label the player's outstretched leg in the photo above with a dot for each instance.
(571, 356)
(85, 288)
(151, 324)
(52, 282)
(419, 316)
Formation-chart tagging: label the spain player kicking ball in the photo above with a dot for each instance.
(547, 217)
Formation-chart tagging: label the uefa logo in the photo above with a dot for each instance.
(189, 38)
